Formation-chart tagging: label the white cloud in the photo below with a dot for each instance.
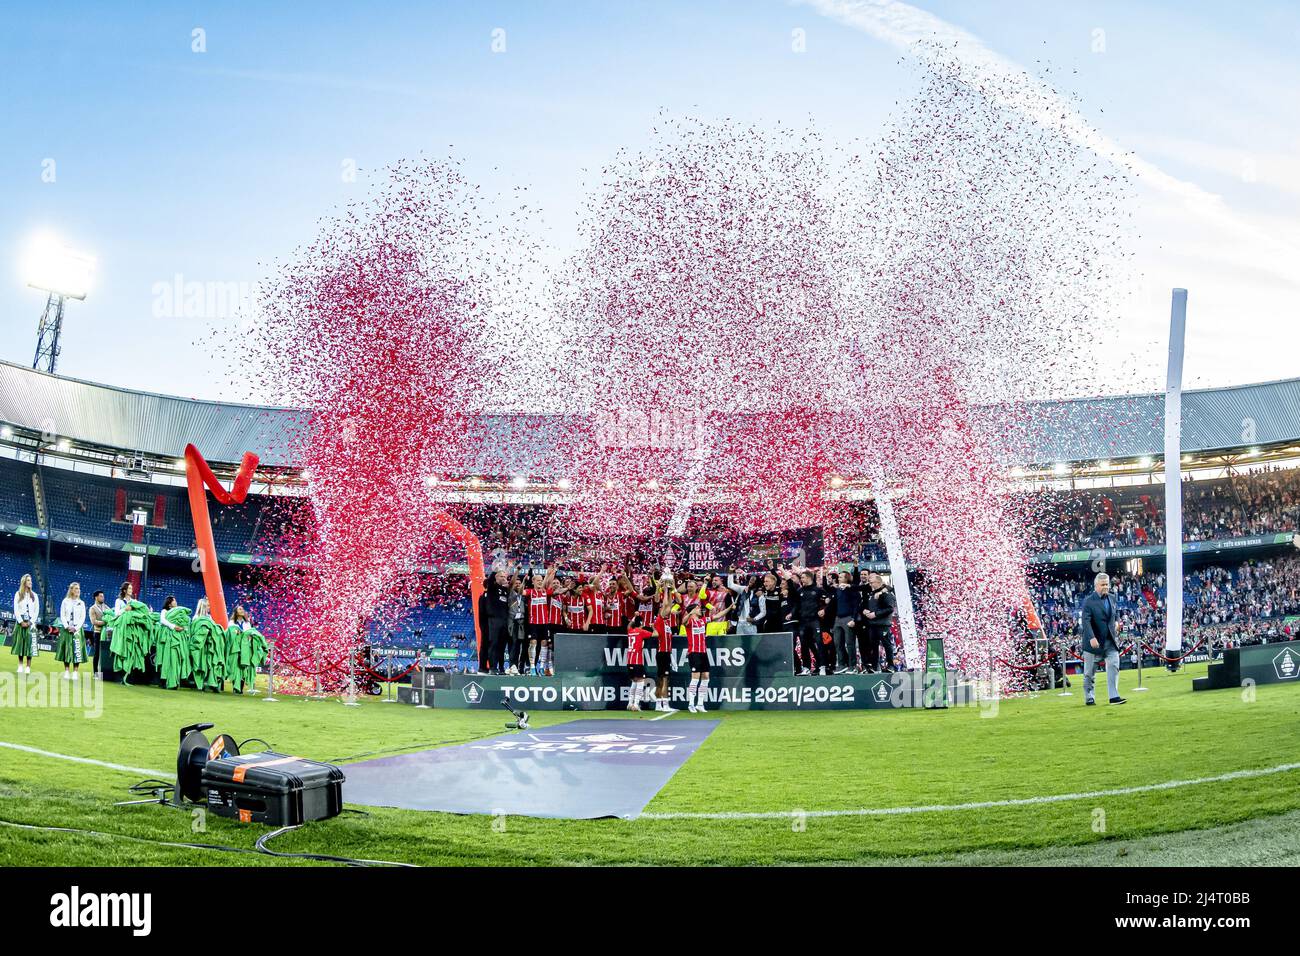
(1242, 268)
(905, 27)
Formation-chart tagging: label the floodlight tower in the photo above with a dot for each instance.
(61, 274)
(48, 332)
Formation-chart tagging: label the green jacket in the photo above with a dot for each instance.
(245, 652)
(207, 653)
(172, 648)
(133, 636)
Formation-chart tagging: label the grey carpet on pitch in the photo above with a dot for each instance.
(579, 770)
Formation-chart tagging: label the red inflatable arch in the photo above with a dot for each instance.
(198, 475)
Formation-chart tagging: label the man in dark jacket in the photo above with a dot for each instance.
(773, 618)
(848, 604)
(878, 606)
(496, 615)
(808, 604)
(1098, 627)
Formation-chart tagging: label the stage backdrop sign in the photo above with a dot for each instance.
(732, 657)
(885, 691)
(747, 672)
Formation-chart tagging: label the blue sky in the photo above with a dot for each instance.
(208, 165)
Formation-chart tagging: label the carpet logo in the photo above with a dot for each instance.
(1287, 664)
(604, 743)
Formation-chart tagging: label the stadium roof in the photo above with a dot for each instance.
(1214, 419)
(140, 421)
(1071, 430)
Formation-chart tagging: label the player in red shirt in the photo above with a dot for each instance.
(663, 656)
(595, 609)
(639, 684)
(719, 600)
(697, 651)
(575, 611)
(554, 622)
(538, 597)
(613, 601)
(643, 603)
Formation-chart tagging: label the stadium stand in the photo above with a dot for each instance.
(1245, 595)
(17, 494)
(1257, 503)
(1247, 602)
(99, 507)
(14, 563)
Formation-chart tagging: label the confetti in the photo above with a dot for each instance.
(752, 319)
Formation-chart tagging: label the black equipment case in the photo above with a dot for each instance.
(272, 788)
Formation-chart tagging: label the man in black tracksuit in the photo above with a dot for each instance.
(481, 618)
(808, 611)
(878, 608)
(496, 600)
(773, 619)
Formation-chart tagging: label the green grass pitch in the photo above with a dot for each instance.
(777, 762)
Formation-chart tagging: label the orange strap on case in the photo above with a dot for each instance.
(242, 770)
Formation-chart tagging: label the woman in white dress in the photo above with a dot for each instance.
(71, 649)
(27, 611)
(168, 604)
(125, 593)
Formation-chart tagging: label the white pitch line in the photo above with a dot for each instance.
(788, 814)
(663, 715)
(97, 763)
(981, 805)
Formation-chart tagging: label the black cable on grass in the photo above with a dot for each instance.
(254, 740)
(259, 848)
(125, 836)
(152, 784)
(349, 861)
(160, 792)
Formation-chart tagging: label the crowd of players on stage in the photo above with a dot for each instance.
(841, 620)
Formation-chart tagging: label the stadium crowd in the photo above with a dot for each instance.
(1230, 607)
(1256, 503)
(1259, 502)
